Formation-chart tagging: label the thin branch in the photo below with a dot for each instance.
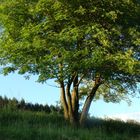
(70, 80)
(53, 85)
(80, 79)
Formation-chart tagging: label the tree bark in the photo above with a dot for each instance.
(87, 104)
(75, 100)
(75, 105)
(70, 101)
(70, 111)
(64, 101)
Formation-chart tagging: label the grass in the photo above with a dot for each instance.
(27, 125)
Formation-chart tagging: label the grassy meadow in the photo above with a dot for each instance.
(29, 125)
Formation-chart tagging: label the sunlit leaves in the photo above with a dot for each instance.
(83, 35)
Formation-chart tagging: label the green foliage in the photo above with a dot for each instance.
(24, 125)
(86, 37)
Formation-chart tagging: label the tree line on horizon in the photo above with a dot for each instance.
(14, 104)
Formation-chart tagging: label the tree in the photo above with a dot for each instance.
(90, 48)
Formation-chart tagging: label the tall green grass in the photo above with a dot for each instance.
(27, 125)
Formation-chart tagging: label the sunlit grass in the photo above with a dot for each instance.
(27, 125)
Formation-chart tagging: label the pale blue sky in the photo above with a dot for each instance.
(15, 85)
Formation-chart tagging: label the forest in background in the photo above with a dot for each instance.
(14, 104)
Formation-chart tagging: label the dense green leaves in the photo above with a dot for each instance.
(85, 36)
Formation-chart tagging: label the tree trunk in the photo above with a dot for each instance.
(87, 104)
(75, 107)
(70, 111)
(75, 100)
(70, 101)
(64, 102)
(85, 109)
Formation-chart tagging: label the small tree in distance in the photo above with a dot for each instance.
(90, 48)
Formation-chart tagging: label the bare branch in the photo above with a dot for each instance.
(80, 79)
(53, 85)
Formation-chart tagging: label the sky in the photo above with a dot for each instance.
(17, 86)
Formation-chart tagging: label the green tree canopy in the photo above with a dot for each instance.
(90, 48)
